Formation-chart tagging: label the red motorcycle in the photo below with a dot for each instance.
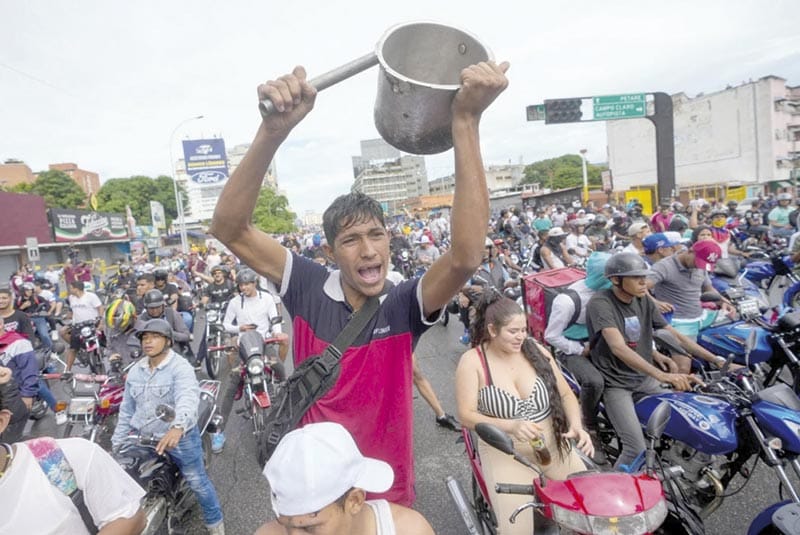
(94, 402)
(260, 378)
(587, 502)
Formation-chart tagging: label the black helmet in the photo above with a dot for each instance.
(160, 274)
(157, 326)
(600, 221)
(732, 204)
(246, 275)
(626, 265)
(221, 267)
(124, 268)
(153, 298)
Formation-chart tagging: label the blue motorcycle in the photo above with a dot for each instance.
(777, 278)
(726, 275)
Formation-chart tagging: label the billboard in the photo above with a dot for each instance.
(24, 216)
(206, 161)
(80, 225)
(157, 215)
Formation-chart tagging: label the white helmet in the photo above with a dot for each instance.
(784, 196)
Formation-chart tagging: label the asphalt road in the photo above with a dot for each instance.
(244, 493)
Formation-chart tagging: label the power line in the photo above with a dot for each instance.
(35, 79)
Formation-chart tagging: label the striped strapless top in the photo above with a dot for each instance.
(500, 403)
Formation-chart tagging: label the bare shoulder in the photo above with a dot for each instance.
(469, 359)
(271, 528)
(409, 521)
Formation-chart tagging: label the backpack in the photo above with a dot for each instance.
(56, 467)
(540, 289)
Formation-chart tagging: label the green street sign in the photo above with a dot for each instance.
(610, 107)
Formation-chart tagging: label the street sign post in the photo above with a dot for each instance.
(615, 107)
(32, 245)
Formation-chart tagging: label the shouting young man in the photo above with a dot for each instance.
(372, 397)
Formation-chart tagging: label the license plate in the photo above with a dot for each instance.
(81, 406)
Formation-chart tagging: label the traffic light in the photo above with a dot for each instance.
(562, 110)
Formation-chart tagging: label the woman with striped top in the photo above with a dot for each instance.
(512, 382)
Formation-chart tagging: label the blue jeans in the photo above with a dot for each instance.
(42, 330)
(188, 455)
(188, 320)
(47, 395)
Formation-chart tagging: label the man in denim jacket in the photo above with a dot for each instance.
(164, 377)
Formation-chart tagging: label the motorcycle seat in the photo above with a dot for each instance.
(789, 322)
(780, 394)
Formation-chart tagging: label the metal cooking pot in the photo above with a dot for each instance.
(421, 64)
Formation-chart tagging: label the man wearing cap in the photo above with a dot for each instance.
(678, 281)
(637, 232)
(779, 216)
(658, 246)
(318, 481)
(426, 253)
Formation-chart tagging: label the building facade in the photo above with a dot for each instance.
(14, 172)
(747, 137)
(388, 176)
(89, 181)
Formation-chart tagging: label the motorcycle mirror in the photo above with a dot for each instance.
(276, 320)
(165, 413)
(658, 420)
(495, 437)
(710, 297)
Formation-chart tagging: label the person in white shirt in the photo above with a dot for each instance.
(254, 309)
(85, 307)
(576, 240)
(637, 232)
(318, 482)
(111, 496)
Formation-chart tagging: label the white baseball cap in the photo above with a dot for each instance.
(424, 239)
(314, 466)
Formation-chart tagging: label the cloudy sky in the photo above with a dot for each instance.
(105, 83)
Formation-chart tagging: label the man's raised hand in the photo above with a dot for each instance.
(292, 96)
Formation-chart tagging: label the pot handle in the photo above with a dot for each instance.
(323, 81)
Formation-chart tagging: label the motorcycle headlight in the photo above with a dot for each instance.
(255, 366)
(212, 316)
(86, 331)
(644, 522)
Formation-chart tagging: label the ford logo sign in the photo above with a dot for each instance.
(203, 149)
(209, 177)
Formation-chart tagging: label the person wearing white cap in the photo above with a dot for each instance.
(318, 479)
(637, 232)
(426, 253)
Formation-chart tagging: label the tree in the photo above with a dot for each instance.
(563, 172)
(272, 213)
(57, 188)
(137, 192)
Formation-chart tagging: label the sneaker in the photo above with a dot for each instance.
(464, 339)
(61, 417)
(448, 421)
(217, 442)
(218, 529)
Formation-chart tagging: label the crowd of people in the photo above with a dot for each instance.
(349, 467)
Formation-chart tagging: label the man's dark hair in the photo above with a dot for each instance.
(340, 501)
(347, 210)
(149, 277)
(78, 285)
(5, 290)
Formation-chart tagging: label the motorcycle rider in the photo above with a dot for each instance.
(37, 310)
(85, 306)
(254, 310)
(659, 246)
(144, 283)
(779, 216)
(17, 355)
(426, 253)
(637, 232)
(621, 321)
(598, 234)
(164, 377)
(571, 342)
(14, 320)
(554, 251)
(318, 480)
(155, 309)
(220, 287)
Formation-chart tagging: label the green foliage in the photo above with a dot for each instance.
(22, 187)
(272, 213)
(562, 172)
(57, 188)
(137, 192)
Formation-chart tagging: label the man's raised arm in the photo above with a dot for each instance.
(480, 85)
(293, 98)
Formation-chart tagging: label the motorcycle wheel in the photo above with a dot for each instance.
(213, 358)
(96, 363)
(105, 432)
(259, 427)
